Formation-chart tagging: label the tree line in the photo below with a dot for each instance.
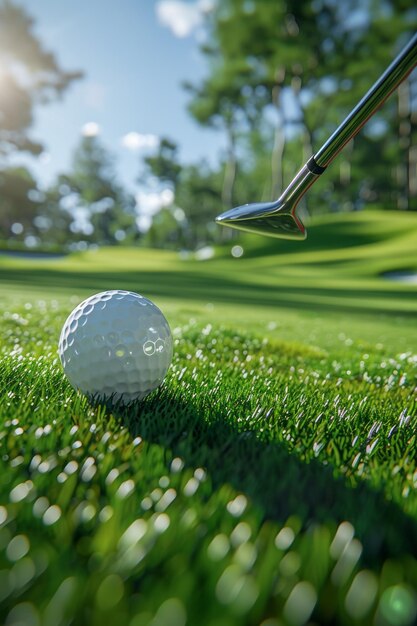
(279, 78)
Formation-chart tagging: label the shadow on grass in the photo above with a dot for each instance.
(216, 287)
(337, 235)
(275, 480)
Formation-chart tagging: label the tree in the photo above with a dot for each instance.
(375, 168)
(52, 223)
(18, 206)
(198, 194)
(256, 54)
(214, 104)
(93, 189)
(164, 164)
(292, 70)
(197, 188)
(29, 74)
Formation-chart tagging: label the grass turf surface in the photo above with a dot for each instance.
(271, 479)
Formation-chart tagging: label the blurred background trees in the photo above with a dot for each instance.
(280, 76)
(29, 75)
(104, 211)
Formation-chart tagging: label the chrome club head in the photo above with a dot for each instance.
(279, 218)
(275, 219)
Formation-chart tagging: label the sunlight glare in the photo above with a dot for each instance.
(90, 129)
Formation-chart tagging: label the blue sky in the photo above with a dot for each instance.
(135, 54)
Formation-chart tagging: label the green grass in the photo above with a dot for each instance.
(270, 480)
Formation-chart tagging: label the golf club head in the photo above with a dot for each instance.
(279, 218)
(275, 219)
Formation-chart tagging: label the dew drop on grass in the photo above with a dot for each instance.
(191, 487)
(133, 533)
(161, 522)
(167, 499)
(85, 512)
(17, 548)
(300, 603)
(218, 547)
(3, 515)
(240, 534)
(284, 538)
(246, 555)
(342, 538)
(164, 482)
(236, 589)
(200, 474)
(237, 506)
(156, 494)
(40, 505)
(125, 489)
(361, 594)
(111, 476)
(21, 491)
(51, 515)
(346, 563)
(105, 514)
(146, 503)
(71, 467)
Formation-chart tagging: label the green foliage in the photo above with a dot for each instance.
(310, 62)
(164, 165)
(29, 74)
(199, 195)
(16, 205)
(164, 232)
(53, 221)
(94, 188)
(189, 222)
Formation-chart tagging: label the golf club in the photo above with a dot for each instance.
(279, 218)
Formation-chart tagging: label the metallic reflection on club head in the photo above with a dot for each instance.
(269, 218)
(276, 219)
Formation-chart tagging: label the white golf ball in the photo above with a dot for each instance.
(116, 344)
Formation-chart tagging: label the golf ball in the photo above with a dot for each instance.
(117, 345)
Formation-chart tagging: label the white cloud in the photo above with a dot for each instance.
(149, 204)
(136, 141)
(182, 18)
(90, 129)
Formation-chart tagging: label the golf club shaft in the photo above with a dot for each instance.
(378, 93)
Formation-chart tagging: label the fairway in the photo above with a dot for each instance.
(270, 480)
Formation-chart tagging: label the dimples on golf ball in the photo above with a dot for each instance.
(116, 344)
